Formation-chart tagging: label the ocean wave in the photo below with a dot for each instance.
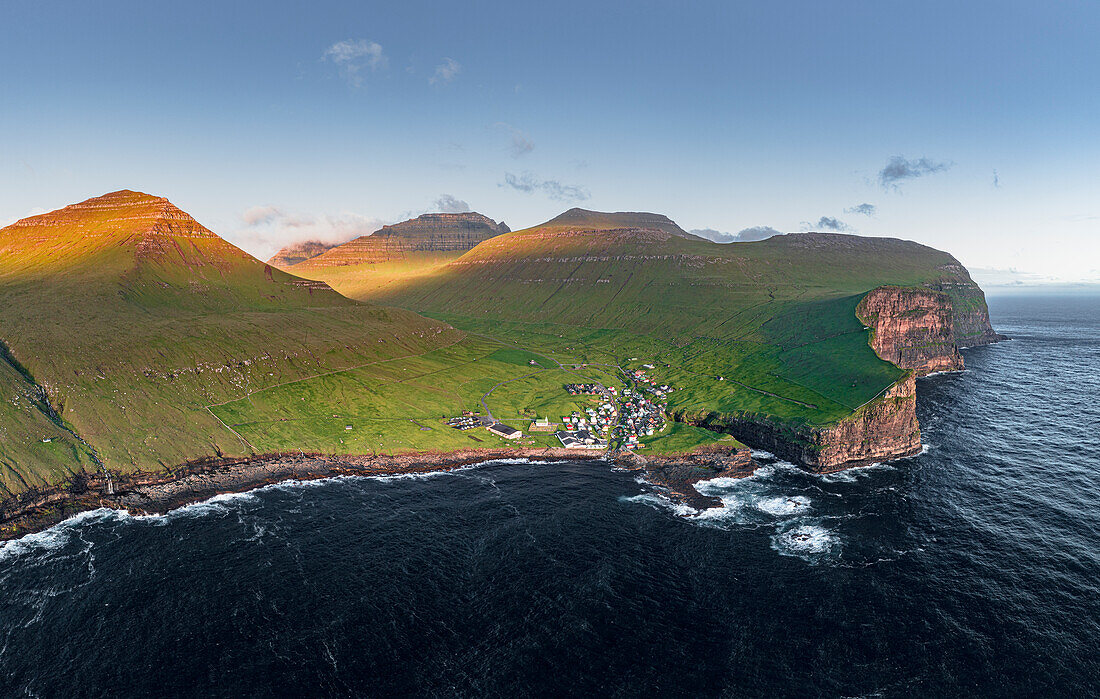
(810, 542)
(945, 372)
(57, 537)
(216, 504)
(752, 500)
(661, 502)
(784, 506)
(851, 475)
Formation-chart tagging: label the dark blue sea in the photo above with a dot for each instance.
(970, 570)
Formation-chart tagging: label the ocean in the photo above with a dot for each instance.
(973, 568)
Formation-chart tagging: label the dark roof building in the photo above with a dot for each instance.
(502, 430)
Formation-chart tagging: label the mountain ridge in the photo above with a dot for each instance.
(427, 233)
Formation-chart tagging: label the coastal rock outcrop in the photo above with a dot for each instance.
(912, 328)
(679, 474)
(884, 428)
(918, 329)
(970, 314)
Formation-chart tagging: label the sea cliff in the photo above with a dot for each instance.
(912, 328)
(885, 428)
(919, 329)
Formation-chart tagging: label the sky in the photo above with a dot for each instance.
(971, 127)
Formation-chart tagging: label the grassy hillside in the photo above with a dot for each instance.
(775, 319)
(398, 253)
(363, 280)
(133, 318)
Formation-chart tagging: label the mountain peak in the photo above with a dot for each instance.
(600, 220)
(123, 212)
(119, 225)
(427, 225)
(299, 252)
(425, 234)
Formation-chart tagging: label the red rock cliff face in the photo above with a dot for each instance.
(970, 312)
(884, 428)
(912, 328)
(915, 329)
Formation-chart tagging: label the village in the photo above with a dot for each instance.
(619, 421)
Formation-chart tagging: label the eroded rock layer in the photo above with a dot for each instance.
(884, 428)
(427, 233)
(913, 328)
(299, 252)
(970, 315)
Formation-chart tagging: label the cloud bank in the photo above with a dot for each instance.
(745, 235)
(553, 189)
(269, 228)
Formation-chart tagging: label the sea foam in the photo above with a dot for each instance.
(809, 542)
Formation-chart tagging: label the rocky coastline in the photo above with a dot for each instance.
(916, 329)
(677, 474)
(160, 492)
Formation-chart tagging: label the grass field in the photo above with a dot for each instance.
(681, 438)
(388, 404)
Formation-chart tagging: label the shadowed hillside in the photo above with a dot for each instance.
(400, 252)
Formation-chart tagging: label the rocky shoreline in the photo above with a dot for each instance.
(678, 474)
(158, 493)
(146, 493)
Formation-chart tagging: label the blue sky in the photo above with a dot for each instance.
(973, 127)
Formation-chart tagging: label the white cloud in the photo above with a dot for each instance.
(269, 228)
(898, 169)
(862, 209)
(353, 56)
(259, 215)
(448, 204)
(445, 72)
(827, 223)
(745, 235)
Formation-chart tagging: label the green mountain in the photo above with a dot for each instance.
(583, 218)
(763, 338)
(123, 319)
(398, 253)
